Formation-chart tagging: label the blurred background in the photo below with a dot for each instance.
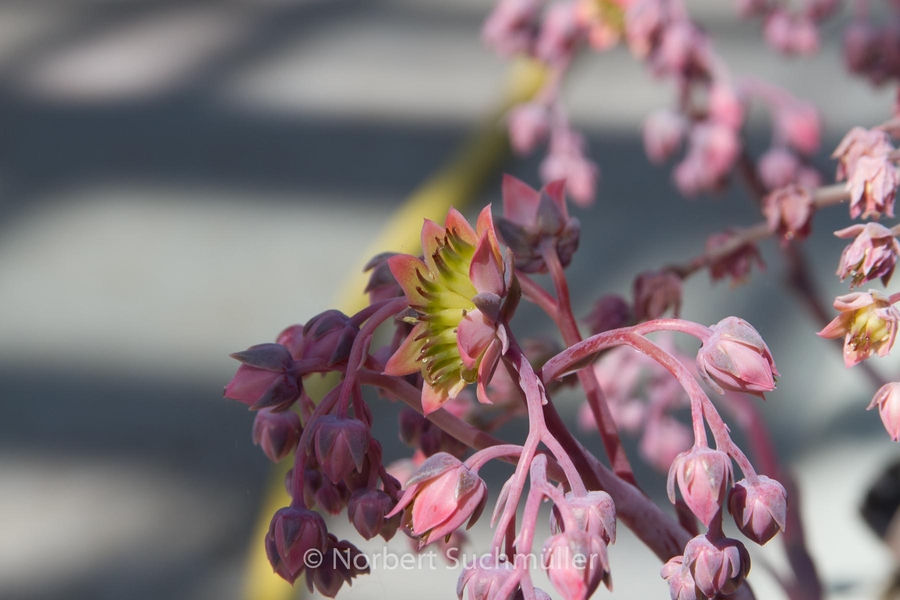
(182, 179)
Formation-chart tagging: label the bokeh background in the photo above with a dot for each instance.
(182, 179)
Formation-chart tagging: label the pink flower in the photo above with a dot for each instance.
(887, 399)
(595, 514)
(703, 476)
(663, 131)
(266, 378)
(576, 563)
(872, 253)
(799, 124)
(440, 496)
(293, 532)
(529, 124)
(725, 106)
(566, 160)
(873, 187)
(531, 219)
(777, 168)
(789, 212)
(868, 324)
(738, 263)
(655, 293)
(718, 566)
(276, 432)
(736, 358)
(510, 28)
(759, 508)
(459, 293)
(856, 144)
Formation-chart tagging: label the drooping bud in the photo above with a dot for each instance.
(663, 440)
(576, 563)
(529, 125)
(293, 532)
(329, 337)
(868, 323)
(726, 106)
(381, 284)
(655, 293)
(798, 122)
(736, 358)
(610, 312)
(484, 577)
(340, 444)
(789, 212)
(366, 511)
(718, 566)
(680, 580)
(595, 514)
(856, 144)
(736, 264)
(873, 187)
(704, 477)
(759, 508)
(567, 160)
(440, 496)
(265, 379)
(292, 339)
(510, 28)
(872, 253)
(341, 563)
(777, 168)
(887, 399)
(277, 433)
(664, 132)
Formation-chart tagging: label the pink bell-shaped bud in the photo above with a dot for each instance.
(736, 358)
(788, 211)
(873, 187)
(777, 168)
(366, 511)
(265, 379)
(277, 433)
(329, 337)
(294, 532)
(576, 563)
(595, 513)
(887, 399)
(718, 566)
(484, 578)
(704, 477)
(340, 444)
(681, 582)
(529, 125)
(664, 132)
(759, 508)
(655, 293)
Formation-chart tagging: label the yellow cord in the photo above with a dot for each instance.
(454, 185)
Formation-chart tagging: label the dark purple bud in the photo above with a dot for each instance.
(341, 445)
(266, 378)
(655, 293)
(329, 337)
(277, 433)
(294, 531)
(382, 285)
(610, 312)
(759, 508)
(366, 511)
(341, 562)
(332, 497)
(718, 566)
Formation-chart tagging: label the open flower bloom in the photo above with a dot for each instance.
(872, 253)
(868, 322)
(440, 496)
(856, 144)
(460, 294)
(873, 187)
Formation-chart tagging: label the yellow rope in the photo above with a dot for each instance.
(454, 185)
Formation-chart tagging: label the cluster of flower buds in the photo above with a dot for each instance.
(864, 160)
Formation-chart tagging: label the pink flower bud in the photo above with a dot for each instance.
(341, 563)
(292, 339)
(292, 533)
(759, 508)
(717, 566)
(595, 514)
(798, 122)
(872, 253)
(868, 323)
(663, 440)
(277, 433)
(680, 580)
(655, 293)
(716, 147)
(644, 20)
(560, 31)
(664, 131)
(725, 106)
(856, 144)
(789, 212)
(703, 476)
(678, 48)
(265, 379)
(484, 578)
(777, 168)
(329, 337)
(566, 160)
(887, 399)
(873, 187)
(532, 218)
(610, 312)
(441, 496)
(529, 124)
(366, 511)
(510, 28)
(576, 563)
(341, 445)
(736, 358)
(738, 263)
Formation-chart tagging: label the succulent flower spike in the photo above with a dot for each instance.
(462, 292)
(868, 324)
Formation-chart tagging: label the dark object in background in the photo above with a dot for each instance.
(880, 512)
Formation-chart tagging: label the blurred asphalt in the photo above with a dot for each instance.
(182, 179)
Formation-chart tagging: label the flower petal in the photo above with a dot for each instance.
(405, 359)
(406, 270)
(520, 200)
